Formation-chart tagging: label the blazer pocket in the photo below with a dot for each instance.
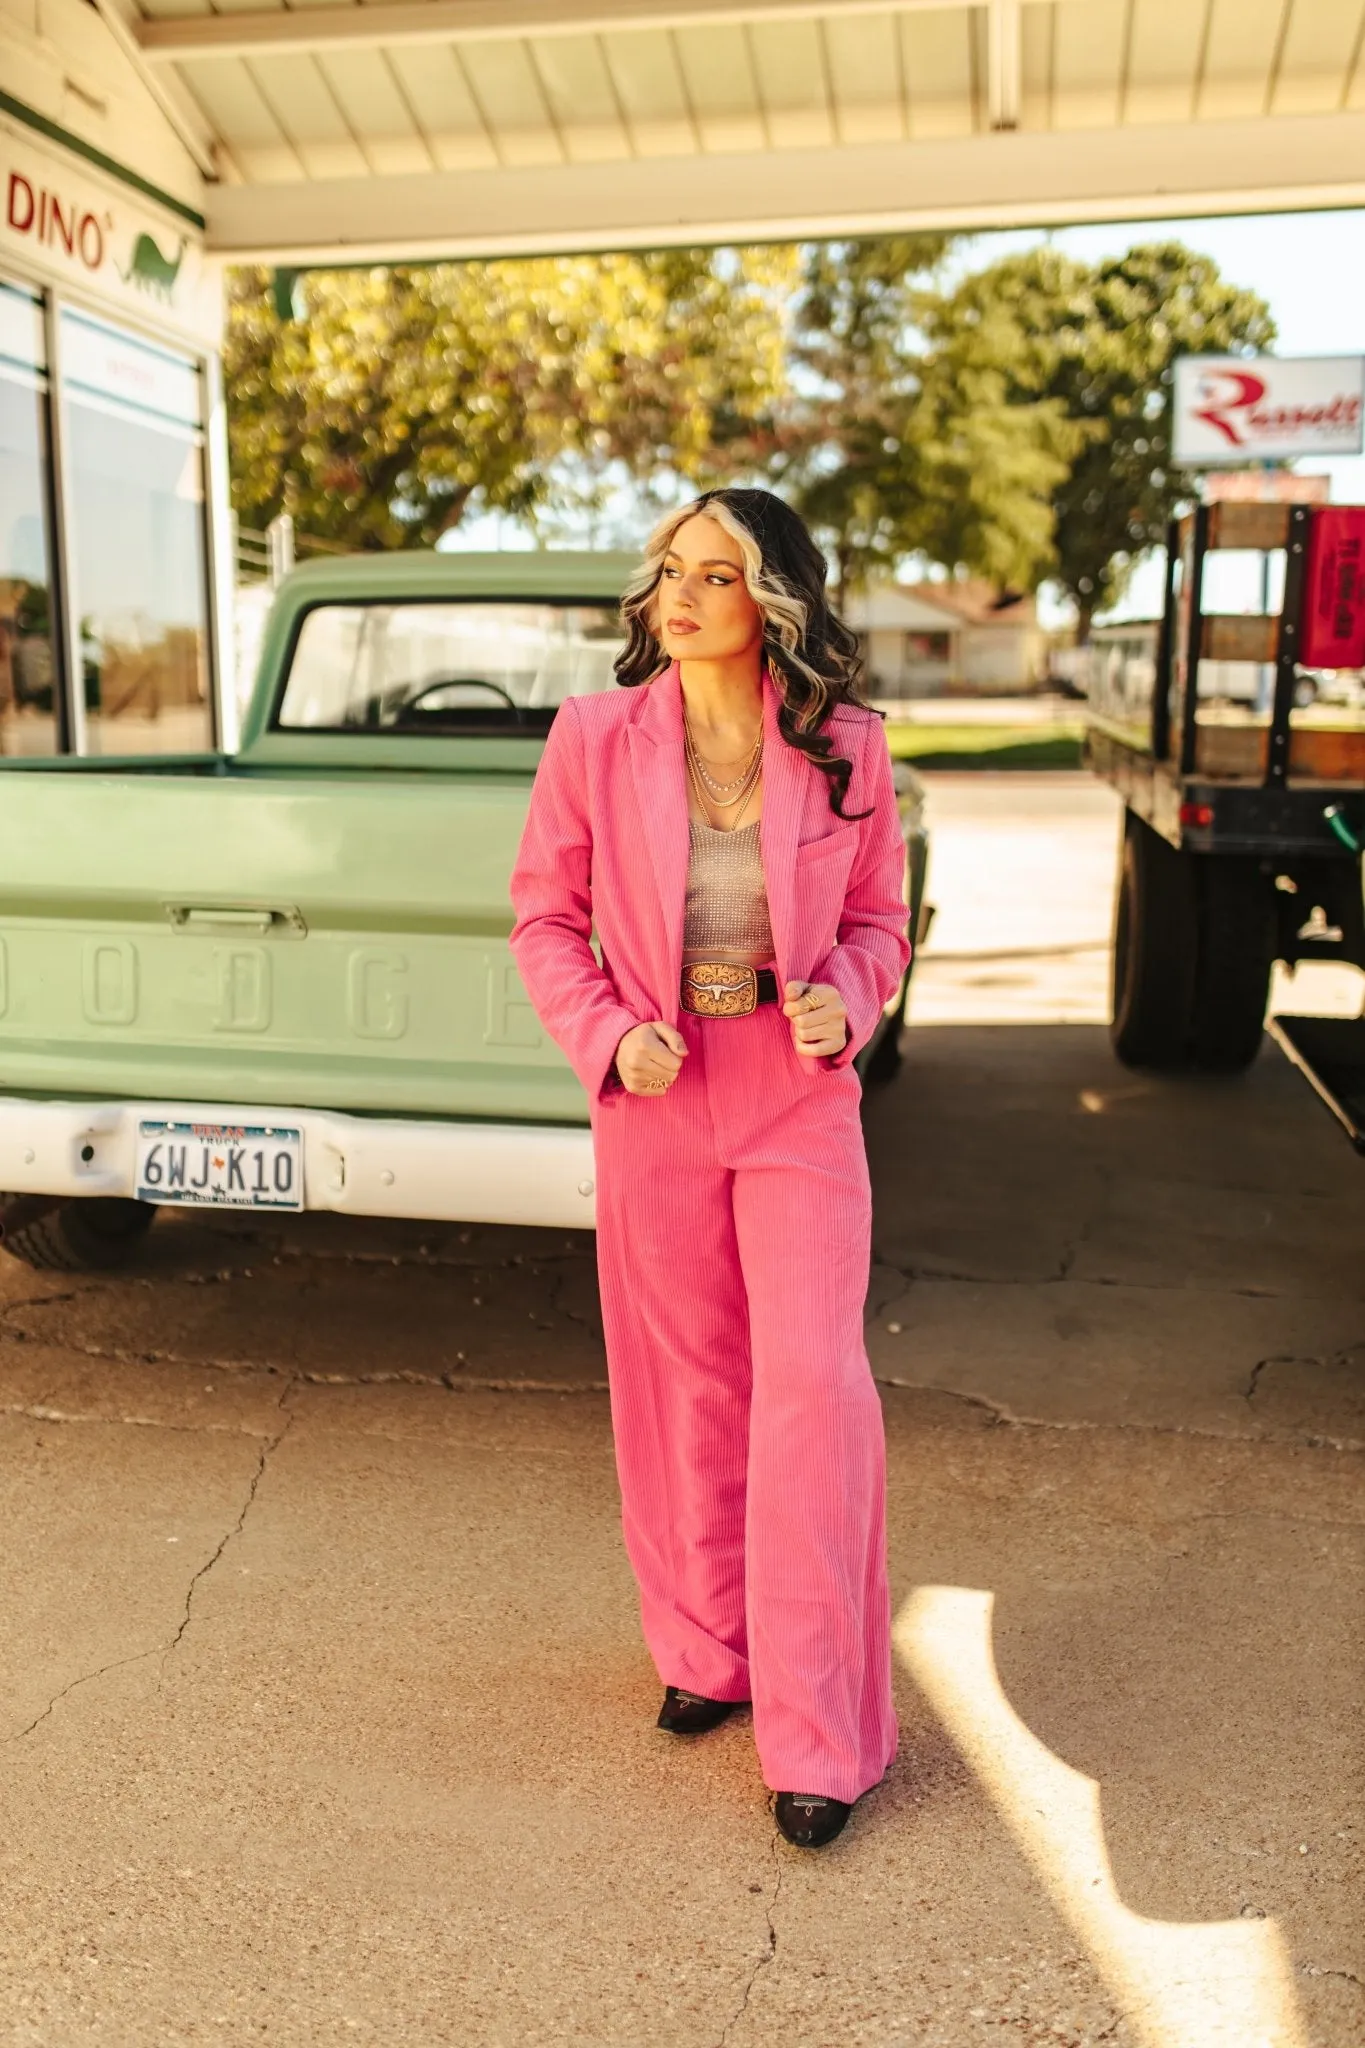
(822, 855)
(820, 889)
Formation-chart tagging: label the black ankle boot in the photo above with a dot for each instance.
(809, 1820)
(689, 1713)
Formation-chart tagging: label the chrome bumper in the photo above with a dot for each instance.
(357, 1166)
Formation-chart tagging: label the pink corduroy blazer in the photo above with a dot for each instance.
(606, 849)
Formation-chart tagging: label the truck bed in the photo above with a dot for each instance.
(222, 931)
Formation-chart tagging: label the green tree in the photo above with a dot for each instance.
(1095, 344)
(886, 452)
(396, 396)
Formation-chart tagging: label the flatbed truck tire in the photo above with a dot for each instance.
(1236, 954)
(1156, 937)
(94, 1233)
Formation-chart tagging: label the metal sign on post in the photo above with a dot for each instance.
(1231, 409)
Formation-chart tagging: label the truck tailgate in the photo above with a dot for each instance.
(335, 941)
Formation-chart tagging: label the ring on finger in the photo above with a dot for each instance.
(811, 999)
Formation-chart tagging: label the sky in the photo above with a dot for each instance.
(1309, 268)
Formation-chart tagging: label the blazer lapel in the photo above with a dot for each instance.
(786, 776)
(656, 754)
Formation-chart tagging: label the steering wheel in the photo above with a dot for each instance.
(415, 704)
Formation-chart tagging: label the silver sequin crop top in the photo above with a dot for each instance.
(727, 902)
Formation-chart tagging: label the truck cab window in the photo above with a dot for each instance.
(415, 668)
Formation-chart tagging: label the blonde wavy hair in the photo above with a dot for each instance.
(811, 655)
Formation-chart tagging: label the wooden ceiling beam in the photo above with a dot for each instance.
(277, 30)
(1020, 179)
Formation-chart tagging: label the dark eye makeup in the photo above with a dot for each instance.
(671, 569)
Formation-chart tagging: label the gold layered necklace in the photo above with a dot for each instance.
(714, 795)
(722, 789)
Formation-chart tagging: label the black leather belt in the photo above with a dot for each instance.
(719, 988)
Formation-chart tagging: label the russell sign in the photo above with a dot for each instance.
(1233, 409)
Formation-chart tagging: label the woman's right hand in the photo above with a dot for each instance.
(649, 1058)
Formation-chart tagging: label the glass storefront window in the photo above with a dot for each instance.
(136, 535)
(29, 688)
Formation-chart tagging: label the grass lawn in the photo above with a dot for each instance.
(987, 746)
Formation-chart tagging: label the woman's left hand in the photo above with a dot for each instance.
(819, 1019)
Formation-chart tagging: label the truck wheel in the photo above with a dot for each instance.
(96, 1232)
(1237, 944)
(1156, 934)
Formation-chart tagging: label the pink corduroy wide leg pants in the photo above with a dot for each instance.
(733, 1227)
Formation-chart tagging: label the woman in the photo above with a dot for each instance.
(727, 824)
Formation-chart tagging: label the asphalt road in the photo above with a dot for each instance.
(324, 1712)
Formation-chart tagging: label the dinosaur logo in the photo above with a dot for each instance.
(150, 270)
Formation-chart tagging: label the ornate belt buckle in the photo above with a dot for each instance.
(718, 988)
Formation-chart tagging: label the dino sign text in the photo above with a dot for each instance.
(87, 228)
(89, 236)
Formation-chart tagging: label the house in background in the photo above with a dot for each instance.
(964, 636)
(907, 644)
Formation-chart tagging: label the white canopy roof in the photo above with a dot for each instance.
(429, 127)
(884, 608)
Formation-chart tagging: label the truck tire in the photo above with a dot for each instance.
(94, 1233)
(1156, 937)
(1236, 952)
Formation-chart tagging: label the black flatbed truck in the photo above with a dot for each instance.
(1242, 840)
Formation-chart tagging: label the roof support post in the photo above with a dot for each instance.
(1004, 62)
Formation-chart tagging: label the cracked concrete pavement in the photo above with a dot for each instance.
(325, 1715)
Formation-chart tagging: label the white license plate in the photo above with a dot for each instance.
(220, 1166)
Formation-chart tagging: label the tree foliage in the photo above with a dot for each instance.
(398, 397)
(1095, 345)
(892, 454)
(1014, 425)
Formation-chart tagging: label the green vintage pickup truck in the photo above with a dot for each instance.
(280, 980)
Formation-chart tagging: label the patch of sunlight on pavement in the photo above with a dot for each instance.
(1319, 988)
(1216, 1984)
(1022, 871)
(1070, 986)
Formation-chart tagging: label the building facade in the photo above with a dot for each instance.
(114, 539)
(927, 639)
